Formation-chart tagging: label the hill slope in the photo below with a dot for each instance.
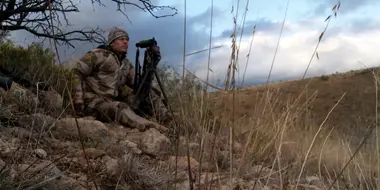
(355, 110)
(291, 124)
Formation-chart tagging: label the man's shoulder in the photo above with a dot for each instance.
(100, 52)
(97, 54)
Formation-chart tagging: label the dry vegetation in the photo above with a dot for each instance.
(304, 134)
(316, 130)
(285, 127)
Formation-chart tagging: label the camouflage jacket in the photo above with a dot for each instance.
(102, 73)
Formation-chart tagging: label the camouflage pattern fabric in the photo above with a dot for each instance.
(100, 78)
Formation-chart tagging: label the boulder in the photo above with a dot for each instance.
(92, 129)
(154, 143)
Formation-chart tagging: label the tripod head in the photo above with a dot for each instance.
(146, 43)
(152, 53)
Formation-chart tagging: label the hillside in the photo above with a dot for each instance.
(286, 126)
(355, 112)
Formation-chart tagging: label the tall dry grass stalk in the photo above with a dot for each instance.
(249, 53)
(210, 43)
(334, 13)
(184, 41)
(278, 41)
(232, 70)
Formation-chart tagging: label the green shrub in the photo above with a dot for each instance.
(35, 64)
(324, 78)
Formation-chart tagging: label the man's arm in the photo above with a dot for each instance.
(83, 68)
(130, 74)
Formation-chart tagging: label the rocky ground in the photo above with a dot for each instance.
(41, 148)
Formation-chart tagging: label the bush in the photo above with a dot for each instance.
(36, 65)
(324, 78)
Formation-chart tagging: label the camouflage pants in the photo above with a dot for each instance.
(111, 110)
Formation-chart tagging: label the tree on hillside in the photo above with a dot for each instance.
(45, 18)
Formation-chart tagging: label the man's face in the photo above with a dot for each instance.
(120, 45)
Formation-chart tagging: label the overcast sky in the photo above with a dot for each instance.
(350, 41)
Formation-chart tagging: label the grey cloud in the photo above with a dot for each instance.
(354, 26)
(364, 24)
(262, 25)
(346, 6)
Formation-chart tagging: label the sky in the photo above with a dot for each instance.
(349, 42)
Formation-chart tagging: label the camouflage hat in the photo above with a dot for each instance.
(116, 33)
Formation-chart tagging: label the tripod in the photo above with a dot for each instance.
(143, 81)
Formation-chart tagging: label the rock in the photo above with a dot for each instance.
(8, 146)
(134, 136)
(240, 184)
(112, 166)
(40, 153)
(182, 163)
(91, 153)
(140, 171)
(7, 171)
(154, 143)
(92, 129)
(315, 182)
(51, 100)
(37, 173)
(132, 146)
(117, 131)
(20, 133)
(37, 121)
(89, 118)
(22, 97)
(68, 183)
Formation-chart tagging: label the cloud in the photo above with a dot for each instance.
(347, 6)
(339, 53)
(262, 24)
(168, 31)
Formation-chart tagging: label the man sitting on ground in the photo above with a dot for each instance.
(104, 83)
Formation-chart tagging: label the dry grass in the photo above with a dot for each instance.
(302, 128)
(311, 127)
(312, 134)
(294, 134)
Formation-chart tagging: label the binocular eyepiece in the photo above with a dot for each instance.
(146, 43)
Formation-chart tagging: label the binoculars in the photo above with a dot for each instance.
(146, 43)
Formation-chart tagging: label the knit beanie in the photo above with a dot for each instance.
(116, 33)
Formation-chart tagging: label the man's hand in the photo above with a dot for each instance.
(157, 53)
(78, 102)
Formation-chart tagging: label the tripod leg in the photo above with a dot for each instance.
(166, 103)
(162, 89)
(142, 82)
